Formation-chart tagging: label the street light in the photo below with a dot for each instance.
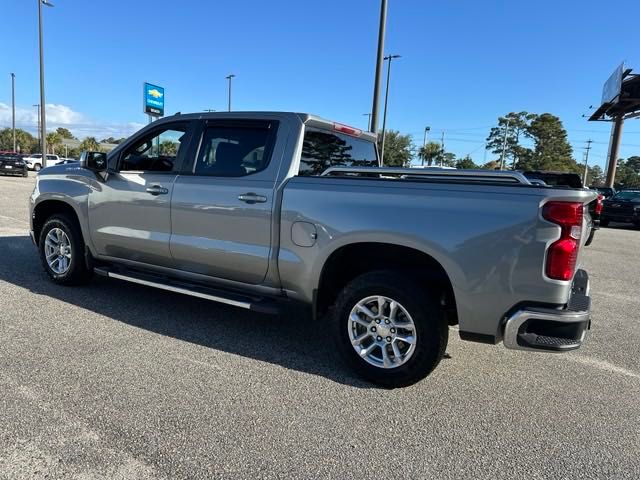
(368, 121)
(229, 78)
(43, 120)
(386, 100)
(13, 108)
(424, 143)
(379, 61)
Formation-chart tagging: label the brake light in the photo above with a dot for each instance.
(338, 127)
(563, 253)
(598, 209)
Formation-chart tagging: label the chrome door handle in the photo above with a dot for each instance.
(252, 198)
(157, 190)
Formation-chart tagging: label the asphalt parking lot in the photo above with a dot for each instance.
(117, 381)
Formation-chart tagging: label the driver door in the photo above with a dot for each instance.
(130, 213)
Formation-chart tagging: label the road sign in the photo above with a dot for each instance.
(613, 86)
(153, 100)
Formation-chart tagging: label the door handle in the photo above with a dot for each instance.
(252, 198)
(157, 190)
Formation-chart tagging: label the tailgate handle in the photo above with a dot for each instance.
(252, 198)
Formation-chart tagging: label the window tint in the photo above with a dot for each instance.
(156, 152)
(51, 157)
(233, 151)
(323, 149)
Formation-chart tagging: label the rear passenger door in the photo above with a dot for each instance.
(221, 210)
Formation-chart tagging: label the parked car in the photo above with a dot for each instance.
(263, 210)
(13, 164)
(607, 192)
(623, 207)
(569, 180)
(34, 161)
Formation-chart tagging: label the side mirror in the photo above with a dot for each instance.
(94, 161)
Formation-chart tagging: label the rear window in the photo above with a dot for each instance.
(323, 149)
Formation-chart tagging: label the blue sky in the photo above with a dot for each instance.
(463, 63)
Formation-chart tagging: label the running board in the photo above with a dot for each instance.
(255, 304)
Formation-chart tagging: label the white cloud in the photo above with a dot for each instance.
(59, 115)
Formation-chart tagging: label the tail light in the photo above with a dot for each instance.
(598, 209)
(563, 253)
(355, 132)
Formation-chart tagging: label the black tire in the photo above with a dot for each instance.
(77, 273)
(432, 331)
(604, 223)
(25, 174)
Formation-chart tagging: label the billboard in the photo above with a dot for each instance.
(153, 100)
(613, 86)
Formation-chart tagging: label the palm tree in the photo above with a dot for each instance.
(429, 152)
(53, 140)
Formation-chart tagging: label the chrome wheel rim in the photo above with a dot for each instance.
(382, 332)
(57, 250)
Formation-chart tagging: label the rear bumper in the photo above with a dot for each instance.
(628, 217)
(14, 170)
(549, 329)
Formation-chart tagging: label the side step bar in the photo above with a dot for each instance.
(255, 304)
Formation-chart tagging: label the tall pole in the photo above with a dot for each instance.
(43, 118)
(13, 109)
(614, 147)
(586, 162)
(424, 143)
(379, 66)
(442, 149)
(386, 101)
(504, 144)
(229, 78)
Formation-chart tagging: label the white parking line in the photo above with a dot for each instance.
(603, 365)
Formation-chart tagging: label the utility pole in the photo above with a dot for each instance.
(614, 147)
(368, 120)
(386, 101)
(424, 143)
(586, 162)
(43, 115)
(379, 65)
(37, 105)
(13, 108)
(229, 78)
(442, 149)
(504, 144)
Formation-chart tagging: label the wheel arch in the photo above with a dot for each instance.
(46, 208)
(351, 260)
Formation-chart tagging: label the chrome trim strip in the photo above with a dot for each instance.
(184, 291)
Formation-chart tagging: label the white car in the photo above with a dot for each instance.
(34, 161)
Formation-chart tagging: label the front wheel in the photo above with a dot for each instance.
(62, 251)
(37, 167)
(389, 328)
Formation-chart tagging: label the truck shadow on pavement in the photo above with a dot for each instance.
(291, 340)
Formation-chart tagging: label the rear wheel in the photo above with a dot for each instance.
(389, 329)
(62, 251)
(37, 167)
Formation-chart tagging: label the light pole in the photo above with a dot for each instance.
(13, 108)
(229, 78)
(37, 105)
(43, 120)
(379, 65)
(368, 120)
(504, 144)
(424, 143)
(386, 100)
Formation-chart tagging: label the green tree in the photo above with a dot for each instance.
(25, 142)
(53, 141)
(633, 163)
(89, 144)
(448, 159)
(429, 153)
(167, 148)
(398, 149)
(65, 133)
(627, 174)
(595, 176)
(514, 126)
(466, 163)
(552, 150)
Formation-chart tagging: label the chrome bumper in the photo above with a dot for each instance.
(549, 329)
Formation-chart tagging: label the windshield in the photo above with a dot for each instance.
(629, 195)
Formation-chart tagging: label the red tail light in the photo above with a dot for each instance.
(338, 127)
(563, 253)
(598, 209)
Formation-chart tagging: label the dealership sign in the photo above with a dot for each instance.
(153, 100)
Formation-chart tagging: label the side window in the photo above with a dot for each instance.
(156, 152)
(51, 157)
(233, 151)
(324, 149)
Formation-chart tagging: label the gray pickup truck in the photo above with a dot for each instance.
(264, 210)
